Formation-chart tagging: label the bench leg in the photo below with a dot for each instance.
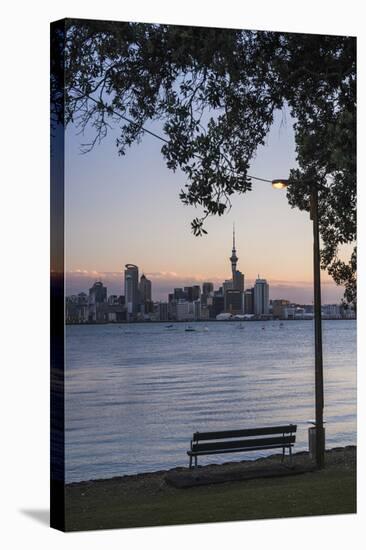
(195, 461)
(283, 454)
(190, 462)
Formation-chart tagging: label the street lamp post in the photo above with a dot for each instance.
(319, 386)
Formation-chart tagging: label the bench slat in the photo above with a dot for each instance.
(241, 450)
(243, 443)
(207, 436)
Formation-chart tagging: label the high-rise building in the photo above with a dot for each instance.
(227, 285)
(207, 289)
(98, 293)
(238, 281)
(97, 297)
(197, 310)
(234, 302)
(162, 311)
(204, 312)
(146, 304)
(188, 293)
(145, 289)
(218, 306)
(249, 301)
(196, 293)
(191, 293)
(132, 290)
(179, 294)
(172, 310)
(261, 297)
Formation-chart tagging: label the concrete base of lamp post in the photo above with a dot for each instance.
(313, 441)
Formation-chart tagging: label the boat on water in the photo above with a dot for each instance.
(190, 329)
(205, 329)
(168, 326)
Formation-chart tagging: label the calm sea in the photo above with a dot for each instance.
(136, 393)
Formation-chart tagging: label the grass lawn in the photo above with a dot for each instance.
(148, 501)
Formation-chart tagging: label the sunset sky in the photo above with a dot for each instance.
(127, 210)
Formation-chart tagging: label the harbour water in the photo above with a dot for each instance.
(136, 393)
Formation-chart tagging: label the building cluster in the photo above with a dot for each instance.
(190, 303)
(285, 310)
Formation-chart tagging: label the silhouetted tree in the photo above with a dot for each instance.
(216, 91)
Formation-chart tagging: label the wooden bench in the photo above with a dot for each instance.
(235, 441)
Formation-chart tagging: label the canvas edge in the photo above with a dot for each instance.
(57, 290)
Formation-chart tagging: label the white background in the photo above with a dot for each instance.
(24, 260)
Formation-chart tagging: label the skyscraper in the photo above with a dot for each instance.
(145, 289)
(207, 289)
(98, 293)
(238, 281)
(218, 306)
(196, 293)
(227, 285)
(145, 295)
(97, 297)
(261, 297)
(234, 302)
(249, 301)
(179, 294)
(132, 290)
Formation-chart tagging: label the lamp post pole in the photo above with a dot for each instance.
(319, 386)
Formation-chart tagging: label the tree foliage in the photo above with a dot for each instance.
(216, 91)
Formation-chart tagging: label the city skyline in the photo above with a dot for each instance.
(163, 282)
(121, 286)
(232, 300)
(189, 303)
(172, 280)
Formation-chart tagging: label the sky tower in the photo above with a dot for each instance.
(237, 276)
(233, 258)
